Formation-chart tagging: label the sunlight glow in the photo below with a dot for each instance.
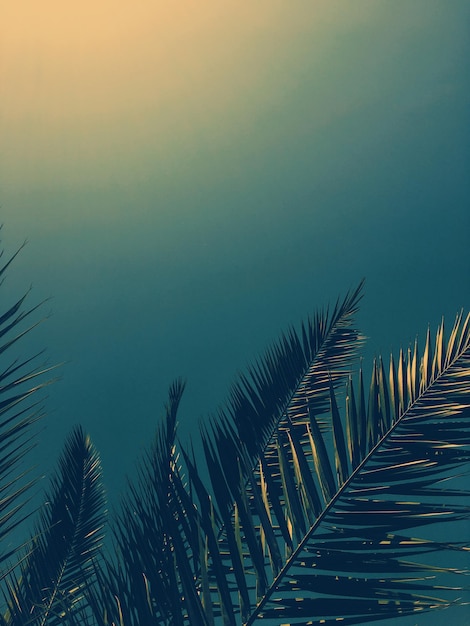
(100, 91)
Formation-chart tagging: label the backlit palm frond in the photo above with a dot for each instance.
(395, 485)
(265, 511)
(313, 514)
(295, 373)
(49, 587)
(20, 409)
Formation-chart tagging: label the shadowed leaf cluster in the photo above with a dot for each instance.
(312, 496)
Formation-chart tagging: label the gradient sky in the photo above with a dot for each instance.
(193, 177)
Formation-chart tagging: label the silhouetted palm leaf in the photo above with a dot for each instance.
(143, 586)
(312, 512)
(168, 541)
(49, 586)
(357, 563)
(19, 410)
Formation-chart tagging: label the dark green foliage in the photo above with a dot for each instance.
(315, 501)
(316, 518)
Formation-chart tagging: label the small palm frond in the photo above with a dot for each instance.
(59, 564)
(404, 467)
(20, 409)
(143, 585)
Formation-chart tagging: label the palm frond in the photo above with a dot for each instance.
(172, 562)
(20, 409)
(152, 580)
(357, 563)
(313, 514)
(294, 376)
(59, 562)
(181, 555)
(262, 433)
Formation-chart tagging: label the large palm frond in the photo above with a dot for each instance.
(20, 409)
(403, 468)
(59, 564)
(169, 534)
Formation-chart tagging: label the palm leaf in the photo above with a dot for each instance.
(152, 580)
(59, 564)
(312, 516)
(385, 487)
(182, 554)
(20, 409)
(357, 563)
(268, 430)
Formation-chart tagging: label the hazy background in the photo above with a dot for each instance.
(193, 177)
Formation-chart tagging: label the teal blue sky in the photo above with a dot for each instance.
(194, 177)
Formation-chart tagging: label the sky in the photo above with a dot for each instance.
(194, 177)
